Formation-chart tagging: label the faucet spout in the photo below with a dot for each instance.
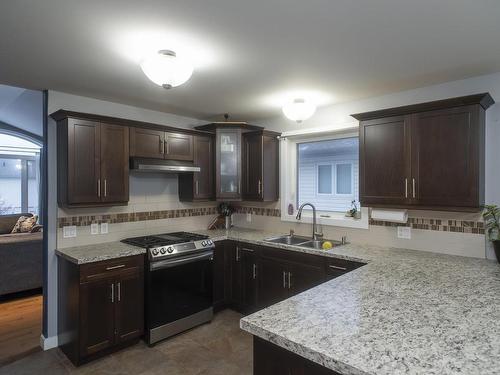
(315, 235)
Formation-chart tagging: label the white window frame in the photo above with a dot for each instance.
(289, 181)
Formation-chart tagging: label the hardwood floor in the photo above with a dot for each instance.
(20, 327)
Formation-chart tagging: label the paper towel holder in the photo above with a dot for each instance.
(389, 215)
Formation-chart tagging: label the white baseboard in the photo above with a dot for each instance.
(48, 342)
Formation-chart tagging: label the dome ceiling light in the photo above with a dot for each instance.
(299, 110)
(166, 69)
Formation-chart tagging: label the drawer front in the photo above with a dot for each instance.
(337, 267)
(112, 267)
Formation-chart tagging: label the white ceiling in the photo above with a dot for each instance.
(249, 55)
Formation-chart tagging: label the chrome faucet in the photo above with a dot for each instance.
(315, 236)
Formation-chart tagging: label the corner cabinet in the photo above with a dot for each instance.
(100, 306)
(199, 186)
(425, 156)
(93, 163)
(228, 164)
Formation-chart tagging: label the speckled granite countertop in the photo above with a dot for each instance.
(99, 252)
(405, 312)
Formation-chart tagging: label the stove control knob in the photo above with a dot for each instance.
(154, 252)
(209, 242)
(170, 250)
(203, 243)
(162, 250)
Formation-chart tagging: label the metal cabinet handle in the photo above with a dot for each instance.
(99, 187)
(254, 271)
(115, 267)
(413, 188)
(167, 147)
(162, 146)
(289, 280)
(337, 268)
(246, 249)
(237, 253)
(406, 188)
(284, 280)
(119, 285)
(197, 184)
(259, 187)
(105, 187)
(112, 293)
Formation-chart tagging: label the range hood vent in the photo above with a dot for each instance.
(165, 166)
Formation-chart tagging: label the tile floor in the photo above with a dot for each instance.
(216, 348)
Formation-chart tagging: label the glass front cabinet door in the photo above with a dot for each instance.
(228, 164)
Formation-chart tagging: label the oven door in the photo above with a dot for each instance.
(179, 288)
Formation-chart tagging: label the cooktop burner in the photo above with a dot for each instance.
(164, 239)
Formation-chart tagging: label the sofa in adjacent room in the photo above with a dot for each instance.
(20, 257)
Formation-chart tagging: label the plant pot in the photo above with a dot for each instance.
(496, 246)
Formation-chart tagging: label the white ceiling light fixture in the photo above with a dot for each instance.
(166, 69)
(299, 110)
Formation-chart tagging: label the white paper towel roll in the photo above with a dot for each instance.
(395, 216)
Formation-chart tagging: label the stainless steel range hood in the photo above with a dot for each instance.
(165, 166)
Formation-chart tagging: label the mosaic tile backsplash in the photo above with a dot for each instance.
(443, 225)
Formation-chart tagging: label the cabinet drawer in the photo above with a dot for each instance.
(337, 267)
(93, 271)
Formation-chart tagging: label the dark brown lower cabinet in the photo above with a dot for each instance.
(259, 276)
(270, 359)
(101, 306)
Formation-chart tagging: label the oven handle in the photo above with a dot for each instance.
(177, 262)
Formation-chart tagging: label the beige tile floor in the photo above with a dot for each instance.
(216, 348)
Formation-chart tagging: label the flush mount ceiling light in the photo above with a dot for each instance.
(166, 69)
(299, 110)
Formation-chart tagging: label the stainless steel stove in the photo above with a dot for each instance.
(178, 282)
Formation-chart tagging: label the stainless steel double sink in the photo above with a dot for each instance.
(300, 241)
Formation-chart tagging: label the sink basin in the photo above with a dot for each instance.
(288, 240)
(319, 244)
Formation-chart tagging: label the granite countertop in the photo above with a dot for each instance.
(99, 252)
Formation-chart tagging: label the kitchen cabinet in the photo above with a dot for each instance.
(425, 156)
(248, 274)
(260, 166)
(199, 186)
(221, 275)
(100, 307)
(273, 281)
(228, 164)
(154, 143)
(246, 162)
(270, 359)
(93, 166)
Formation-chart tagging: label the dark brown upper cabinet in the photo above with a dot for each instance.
(260, 166)
(241, 150)
(93, 164)
(150, 143)
(425, 156)
(199, 186)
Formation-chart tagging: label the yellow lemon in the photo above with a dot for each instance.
(327, 245)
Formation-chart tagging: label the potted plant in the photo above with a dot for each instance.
(226, 210)
(491, 215)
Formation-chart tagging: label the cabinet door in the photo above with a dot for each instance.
(273, 282)
(384, 161)
(83, 161)
(234, 254)
(252, 166)
(178, 146)
(129, 292)
(228, 164)
(220, 270)
(445, 157)
(305, 276)
(147, 143)
(248, 280)
(97, 316)
(204, 158)
(114, 163)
